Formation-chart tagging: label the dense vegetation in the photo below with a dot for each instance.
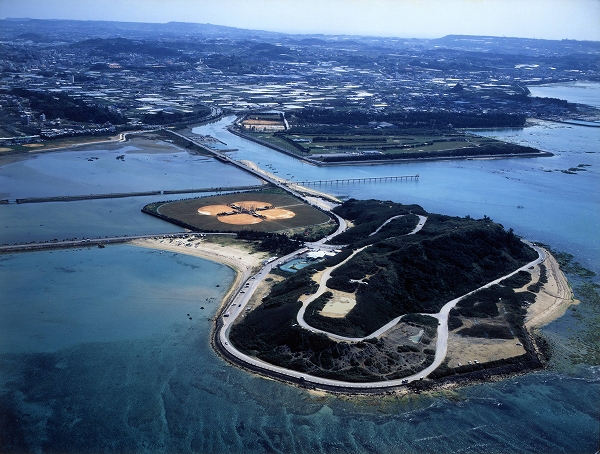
(420, 273)
(60, 105)
(270, 332)
(487, 304)
(368, 216)
(275, 243)
(438, 120)
(402, 274)
(163, 117)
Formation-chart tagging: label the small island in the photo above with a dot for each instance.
(394, 298)
(371, 314)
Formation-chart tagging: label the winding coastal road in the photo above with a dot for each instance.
(236, 307)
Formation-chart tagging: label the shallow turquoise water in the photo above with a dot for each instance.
(97, 171)
(52, 300)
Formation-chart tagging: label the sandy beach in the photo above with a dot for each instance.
(236, 254)
(550, 303)
(553, 299)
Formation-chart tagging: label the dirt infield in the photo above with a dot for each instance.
(240, 219)
(286, 213)
(278, 213)
(213, 210)
(234, 217)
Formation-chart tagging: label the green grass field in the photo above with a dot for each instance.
(387, 144)
(187, 211)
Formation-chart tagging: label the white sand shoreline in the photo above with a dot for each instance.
(554, 297)
(236, 257)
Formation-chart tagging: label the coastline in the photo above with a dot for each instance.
(554, 297)
(240, 260)
(551, 302)
(314, 162)
(294, 186)
(9, 157)
(133, 138)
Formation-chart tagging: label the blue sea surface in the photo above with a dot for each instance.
(97, 353)
(580, 92)
(68, 297)
(97, 171)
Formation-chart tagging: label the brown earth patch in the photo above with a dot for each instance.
(213, 210)
(278, 213)
(339, 305)
(240, 219)
(462, 349)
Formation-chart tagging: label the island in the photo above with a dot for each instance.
(331, 137)
(372, 296)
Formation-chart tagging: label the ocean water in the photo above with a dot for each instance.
(92, 295)
(581, 92)
(38, 222)
(97, 171)
(556, 207)
(73, 378)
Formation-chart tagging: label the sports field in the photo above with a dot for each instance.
(258, 211)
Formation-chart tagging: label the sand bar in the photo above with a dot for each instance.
(213, 210)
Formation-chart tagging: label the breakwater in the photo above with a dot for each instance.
(99, 242)
(117, 195)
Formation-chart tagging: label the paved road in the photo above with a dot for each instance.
(441, 347)
(442, 332)
(323, 288)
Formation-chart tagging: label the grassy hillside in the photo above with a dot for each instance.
(420, 273)
(401, 274)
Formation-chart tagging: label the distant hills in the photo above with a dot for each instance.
(45, 30)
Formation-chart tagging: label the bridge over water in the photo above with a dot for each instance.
(360, 180)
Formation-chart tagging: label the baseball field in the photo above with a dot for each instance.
(258, 211)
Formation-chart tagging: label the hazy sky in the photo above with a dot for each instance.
(548, 19)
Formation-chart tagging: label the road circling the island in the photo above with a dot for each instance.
(238, 303)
